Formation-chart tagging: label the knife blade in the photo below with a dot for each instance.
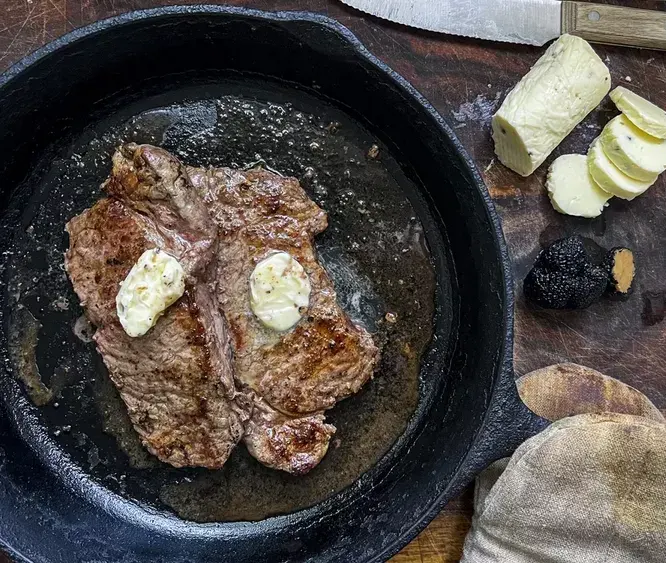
(534, 22)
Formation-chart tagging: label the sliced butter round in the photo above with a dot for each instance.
(565, 84)
(634, 152)
(610, 178)
(642, 113)
(571, 189)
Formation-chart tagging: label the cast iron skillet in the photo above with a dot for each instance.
(271, 75)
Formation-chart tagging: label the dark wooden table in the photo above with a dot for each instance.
(466, 80)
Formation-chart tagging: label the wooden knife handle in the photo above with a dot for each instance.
(615, 25)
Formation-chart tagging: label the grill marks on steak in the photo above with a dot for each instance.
(177, 380)
(189, 397)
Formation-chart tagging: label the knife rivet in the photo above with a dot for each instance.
(594, 16)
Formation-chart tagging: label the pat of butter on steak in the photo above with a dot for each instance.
(154, 283)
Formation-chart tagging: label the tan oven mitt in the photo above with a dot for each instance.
(591, 488)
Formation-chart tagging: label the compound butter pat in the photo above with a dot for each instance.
(154, 283)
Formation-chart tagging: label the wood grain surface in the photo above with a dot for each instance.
(467, 80)
(615, 25)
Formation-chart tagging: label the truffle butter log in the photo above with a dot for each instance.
(560, 90)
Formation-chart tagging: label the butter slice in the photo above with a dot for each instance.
(279, 291)
(572, 190)
(154, 283)
(562, 88)
(633, 151)
(641, 112)
(610, 178)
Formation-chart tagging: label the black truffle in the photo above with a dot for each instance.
(565, 277)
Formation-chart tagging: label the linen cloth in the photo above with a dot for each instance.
(589, 489)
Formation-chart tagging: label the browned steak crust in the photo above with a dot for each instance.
(177, 380)
(325, 358)
(295, 445)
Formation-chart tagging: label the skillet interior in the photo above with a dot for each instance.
(64, 153)
(375, 250)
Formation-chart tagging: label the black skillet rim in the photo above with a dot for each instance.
(504, 360)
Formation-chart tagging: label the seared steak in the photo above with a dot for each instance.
(176, 380)
(324, 358)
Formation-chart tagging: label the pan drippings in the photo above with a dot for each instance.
(374, 250)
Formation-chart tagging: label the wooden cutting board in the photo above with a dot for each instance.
(467, 80)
